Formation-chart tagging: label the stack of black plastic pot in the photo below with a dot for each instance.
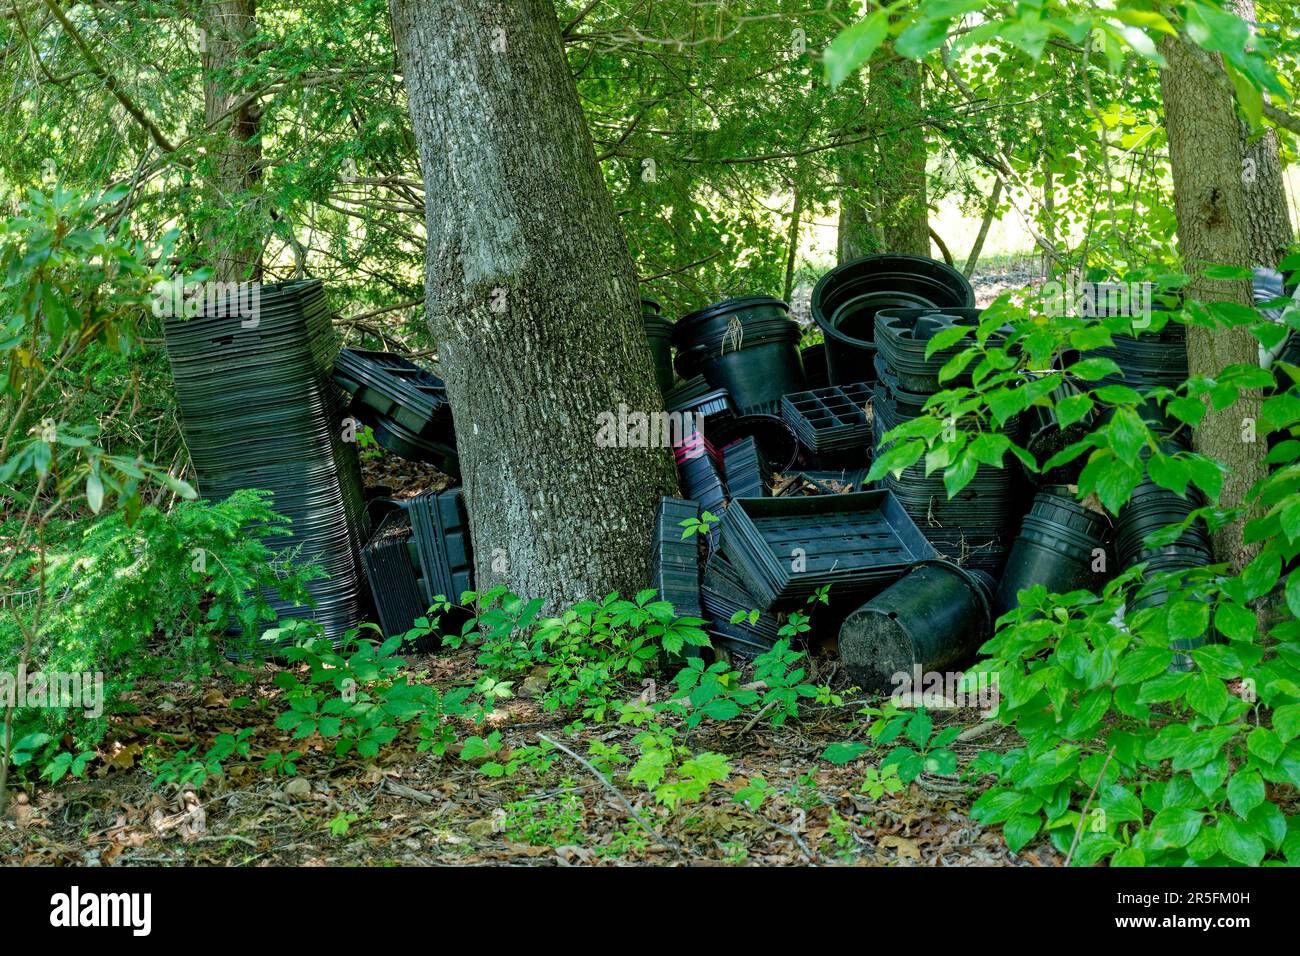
(1150, 350)
(259, 410)
(698, 465)
(845, 302)
(675, 560)
(748, 346)
(405, 405)
(400, 595)
(1061, 545)
(974, 528)
(420, 551)
(746, 470)
(658, 333)
(1150, 509)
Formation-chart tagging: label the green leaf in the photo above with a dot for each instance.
(842, 753)
(1286, 722)
(1073, 408)
(1120, 804)
(1094, 369)
(959, 474)
(1239, 841)
(1187, 619)
(854, 46)
(1245, 792)
(1020, 829)
(94, 490)
(1174, 827)
(1264, 744)
(921, 38)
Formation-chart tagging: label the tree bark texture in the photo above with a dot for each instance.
(233, 234)
(532, 299)
(1205, 157)
(1268, 216)
(900, 165)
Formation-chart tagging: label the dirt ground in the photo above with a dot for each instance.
(408, 808)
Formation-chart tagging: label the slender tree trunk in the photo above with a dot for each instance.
(1205, 156)
(858, 234)
(990, 213)
(532, 299)
(900, 169)
(233, 235)
(1268, 217)
(792, 243)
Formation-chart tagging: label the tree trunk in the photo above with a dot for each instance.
(858, 235)
(900, 170)
(1268, 217)
(532, 299)
(233, 234)
(1209, 202)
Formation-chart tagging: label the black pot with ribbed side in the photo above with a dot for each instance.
(845, 302)
(935, 616)
(749, 346)
(659, 333)
(1058, 547)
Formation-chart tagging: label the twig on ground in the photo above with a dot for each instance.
(666, 841)
(1078, 831)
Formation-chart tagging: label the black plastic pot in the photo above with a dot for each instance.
(659, 332)
(776, 442)
(814, 365)
(845, 302)
(1151, 508)
(748, 346)
(1056, 548)
(903, 335)
(933, 617)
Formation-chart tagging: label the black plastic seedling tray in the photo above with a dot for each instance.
(259, 410)
(442, 535)
(787, 548)
(746, 471)
(830, 419)
(394, 580)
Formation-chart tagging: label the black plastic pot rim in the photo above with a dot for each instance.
(727, 306)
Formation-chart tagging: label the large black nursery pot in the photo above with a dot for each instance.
(845, 302)
(1057, 548)
(659, 332)
(935, 616)
(749, 346)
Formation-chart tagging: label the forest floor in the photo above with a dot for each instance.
(410, 808)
